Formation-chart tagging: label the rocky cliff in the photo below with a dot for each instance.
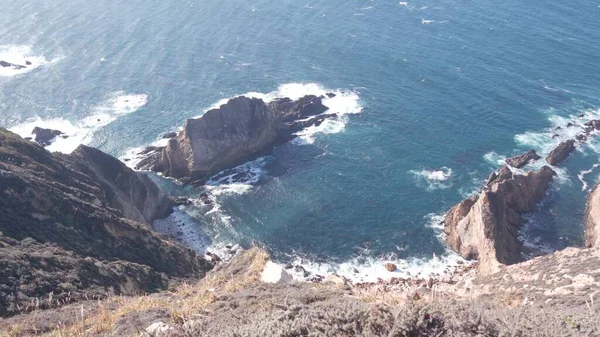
(77, 226)
(486, 226)
(592, 219)
(240, 130)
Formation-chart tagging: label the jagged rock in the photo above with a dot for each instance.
(581, 138)
(12, 65)
(170, 135)
(501, 174)
(288, 110)
(594, 124)
(390, 267)
(330, 95)
(240, 130)
(274, 273)
(561, 152)
(486, 227)
(592, 219)
(68, 226)
(45, 136)
(570, 124)
(180, 201)
(523, 159)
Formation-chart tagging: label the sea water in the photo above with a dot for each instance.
(433, 95)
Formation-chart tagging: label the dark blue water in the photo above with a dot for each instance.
(446, 89)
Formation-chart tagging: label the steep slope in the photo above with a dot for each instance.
(69, 228)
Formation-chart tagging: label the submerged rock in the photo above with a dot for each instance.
(523, 159)
(486, 227)
(561, 152)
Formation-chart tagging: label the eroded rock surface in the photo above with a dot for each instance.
(561, 152)
(486, 226)
(240, 130)
(73, 226)
(523, 159)
(592, 219)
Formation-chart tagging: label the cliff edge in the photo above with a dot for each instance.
(78, 226)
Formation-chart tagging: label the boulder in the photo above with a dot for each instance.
(45, 136)
(486, 227)
(390, 267)
(274, 273)
(561, 152)
(592, 219)
(523, 159)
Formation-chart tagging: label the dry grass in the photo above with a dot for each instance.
(183, 303)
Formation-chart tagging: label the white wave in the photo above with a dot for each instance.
(435, 179)
(371, 269)
(546, 140)
(20, 55)
(403, 3)
(494, 159)
(427, 22)
(238, 180)
(82, 131)
(582, 175)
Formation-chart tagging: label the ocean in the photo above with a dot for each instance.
(433, 96)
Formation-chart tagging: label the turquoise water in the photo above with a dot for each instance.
(445, 89)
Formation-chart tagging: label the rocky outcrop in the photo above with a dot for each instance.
(486, 226)
(45, 136)
(69, 228)
(240, 130)
(523, 159)
(6, 64)
(592, 219)
(561, 152)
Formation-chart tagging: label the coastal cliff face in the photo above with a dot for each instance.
(592, 219)
(486, 227)
(77, 226)
(240, 130)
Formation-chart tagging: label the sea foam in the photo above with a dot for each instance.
(433, 179)
(82, 131)
(20, 55)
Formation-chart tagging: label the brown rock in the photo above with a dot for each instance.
(561, 152)
(523, 159)
(390, 267)
(592, 219)
(486, 227)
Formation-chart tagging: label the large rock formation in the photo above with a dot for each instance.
(486, 226)
(592, 219)
(523, 159)
(71, 227)
(240, 130)
(45, 136)
(561, 152)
